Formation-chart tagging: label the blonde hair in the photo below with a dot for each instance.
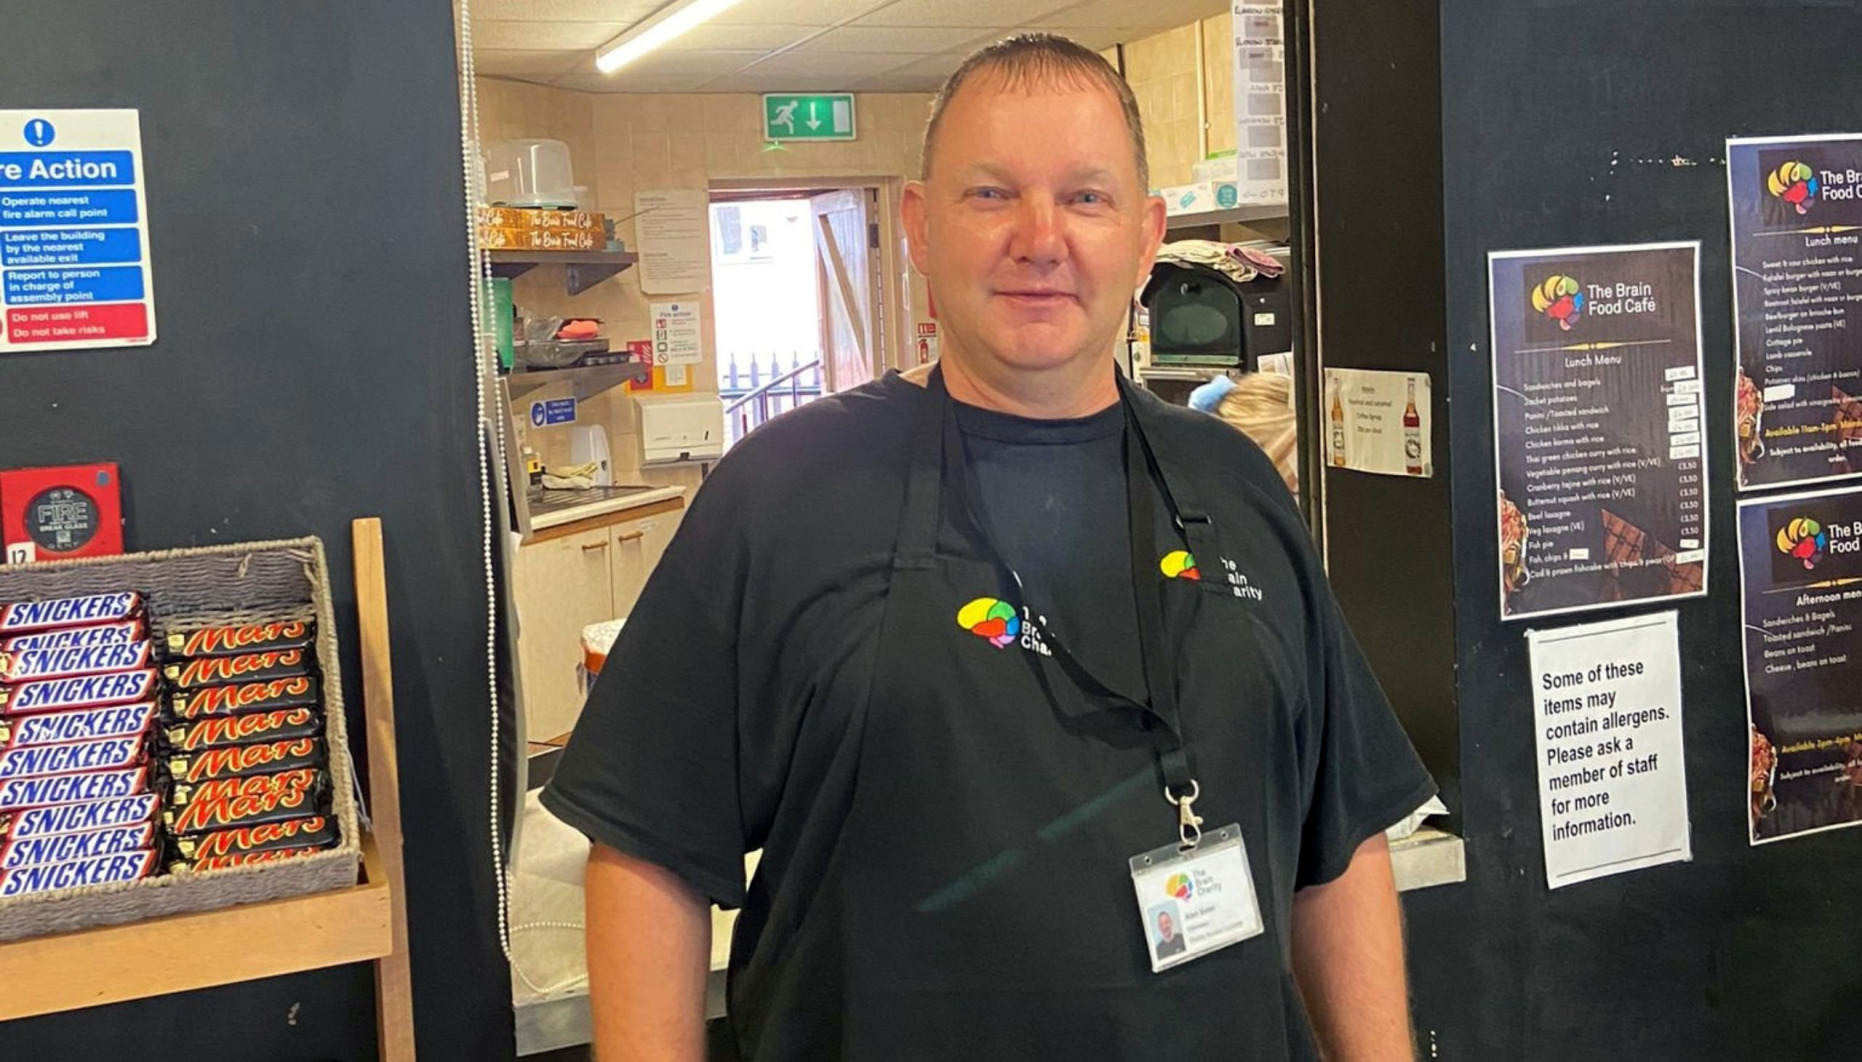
(1261, 407)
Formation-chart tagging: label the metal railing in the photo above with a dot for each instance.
(750, 409)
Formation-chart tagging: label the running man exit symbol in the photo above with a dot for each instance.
(820, 117)
(39, 132)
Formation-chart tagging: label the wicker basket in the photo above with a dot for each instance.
(252, 582)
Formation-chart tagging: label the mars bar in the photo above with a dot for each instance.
(80, 818)
(315, 831)
(246, 638)
(73, 757)
(236, 760)
(45, 789)
(98, 870)
(129, 630)
(72, 660)
(80, 724)
(91, 691)
(62, 847)
(298, 692)
(241, 859)
(252, 809)
(245, 729)
(68, 612)
(307, 778)
(251, 667)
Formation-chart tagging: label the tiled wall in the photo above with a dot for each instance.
(1188, 107)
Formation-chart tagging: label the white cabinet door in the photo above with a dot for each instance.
(560, 586)
(637, 547)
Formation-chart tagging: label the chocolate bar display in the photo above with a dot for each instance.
(246, 638)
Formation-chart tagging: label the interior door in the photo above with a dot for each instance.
(847, 263)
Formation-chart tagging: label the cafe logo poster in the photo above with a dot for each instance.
(1795, 183)
(1560, 298)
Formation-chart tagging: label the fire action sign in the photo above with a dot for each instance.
(74, 232)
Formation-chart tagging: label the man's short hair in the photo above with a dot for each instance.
(1029, 60)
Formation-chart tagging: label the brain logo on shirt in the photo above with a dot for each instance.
(1180, 564)
(991, 619)
(1179, 886)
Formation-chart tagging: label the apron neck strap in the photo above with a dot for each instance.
(919, 518)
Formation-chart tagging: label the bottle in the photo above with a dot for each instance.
(1412, 434)
(1338, 429)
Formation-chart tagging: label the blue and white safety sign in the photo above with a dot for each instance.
(74, 231)
(552, 412)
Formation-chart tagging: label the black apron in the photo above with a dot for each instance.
(977, 904)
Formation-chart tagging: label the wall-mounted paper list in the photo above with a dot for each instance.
(670, 229)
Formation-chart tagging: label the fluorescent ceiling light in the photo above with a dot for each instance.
(665, 24)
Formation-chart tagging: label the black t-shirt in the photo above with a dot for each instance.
(721, 721)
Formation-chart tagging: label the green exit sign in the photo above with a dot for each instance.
(823, 117)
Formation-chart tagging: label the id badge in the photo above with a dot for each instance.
(1198, 900)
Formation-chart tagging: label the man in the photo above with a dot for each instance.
(972, 656)
(1168, 943)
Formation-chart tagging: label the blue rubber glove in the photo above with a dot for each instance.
(1207, 397)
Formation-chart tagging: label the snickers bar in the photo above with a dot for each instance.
(98, 870)
(41, 790)
(80, 818)
(312, 780)
(244, 729)
(218, 670)
(316, 831)
(62, 847)
(129, 630)
(299, 692)
(68, 612)
(242, 859)
(205, 816)
(91, 691)
(236, 761)
(82, 724)
(251, 638)
(104, 754)
(74, 660)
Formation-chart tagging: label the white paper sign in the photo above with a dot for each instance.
(1378, 422)
(675, 333)
(670, 228)
(1607, 722)
(74, 231)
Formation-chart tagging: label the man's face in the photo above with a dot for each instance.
(1165, 927)
(1032, 224)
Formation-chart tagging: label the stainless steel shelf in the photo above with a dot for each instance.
(584, 269)
(587, 381)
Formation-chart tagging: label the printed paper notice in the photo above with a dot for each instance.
(1378, 422)
(670, 229)
(675, 333)
(1800, 559)
(1796, 208)
(1607, 719)
(1598, 437)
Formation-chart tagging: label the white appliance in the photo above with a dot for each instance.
(589, 442)
(680, 428)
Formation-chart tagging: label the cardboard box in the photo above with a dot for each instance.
(1188, 198)
(61, 513)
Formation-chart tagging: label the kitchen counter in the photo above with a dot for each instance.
(600, 511)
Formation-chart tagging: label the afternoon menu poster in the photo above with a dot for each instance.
(1797, 284)
(1597, 426)
(1800, 559)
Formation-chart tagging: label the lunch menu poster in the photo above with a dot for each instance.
(1598, 436)
(1796, 209)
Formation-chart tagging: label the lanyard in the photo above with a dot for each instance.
(1141, 470)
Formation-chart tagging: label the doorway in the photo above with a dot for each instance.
(798, 297)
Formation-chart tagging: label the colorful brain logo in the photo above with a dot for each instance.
(990, 619)
(1794, 183)
(1804, 539)
(1179, 886)
(1561, 298)
(1179, 564)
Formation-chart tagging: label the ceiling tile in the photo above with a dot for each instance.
(901, 81)
(740, 38)
(623, 11)
(893, 39)
(1148, 17)
(1098, 38)
(844, 67)
(508, 35)
(985, 13)
(634, 83)
(934, 67)
(704, 64)
(524, 64)
(822, 13)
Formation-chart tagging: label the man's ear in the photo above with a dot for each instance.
(912, 212)
(1153, 229)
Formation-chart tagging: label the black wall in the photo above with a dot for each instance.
(1559, 124)
(307, 223)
